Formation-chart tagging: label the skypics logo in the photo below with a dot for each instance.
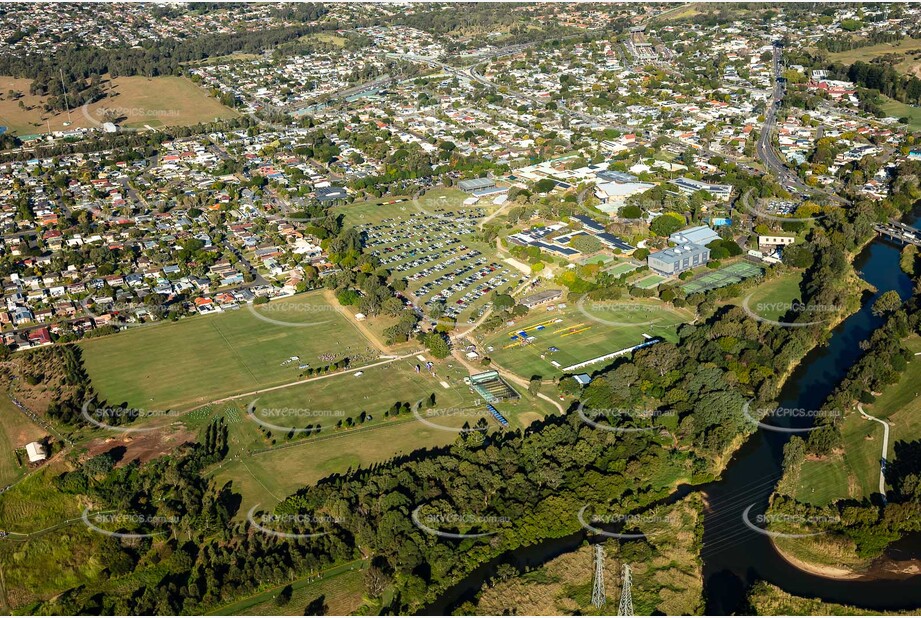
(291, 413)
(785, 307)
(758, 415)
(270, 524)
(286, 309)
(747, 204)
(430, 523)
(589, 418)
(587, 306)
(101, 522)
(623, 520)
(102, 116)
(767, 519)
(113, 417)
(429, 417)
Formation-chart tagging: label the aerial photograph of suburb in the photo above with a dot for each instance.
(444, 308)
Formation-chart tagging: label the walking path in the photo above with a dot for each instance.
(884, 458)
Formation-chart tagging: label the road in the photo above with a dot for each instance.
(883, 459)
(765, 146)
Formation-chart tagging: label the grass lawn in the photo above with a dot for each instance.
(325, 37)
(579, 337)
(15, 432)
(772, 299)
(855, 474)
(265, 469)
(900, 110)
(196, 360)
(139, 101)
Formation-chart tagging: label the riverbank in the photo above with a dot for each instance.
(882, 567)
(822, 570)
(769, 600)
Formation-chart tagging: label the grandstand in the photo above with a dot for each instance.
(491, 387)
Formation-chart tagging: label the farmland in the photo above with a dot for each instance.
(137, 101)
(580, 334)
(200, 359)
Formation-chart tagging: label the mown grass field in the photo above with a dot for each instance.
(139, 101)
(897, 109)
(15, 432)
(196, 360)
(773, 299)
(855, 473)
(265, 469)
(579, 337)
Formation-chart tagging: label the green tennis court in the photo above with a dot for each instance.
(622, 269)
(734, 273)
(649, 282)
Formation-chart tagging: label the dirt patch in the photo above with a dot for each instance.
(143, 446)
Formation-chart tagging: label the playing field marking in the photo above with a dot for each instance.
(576, 332)
(562, 330)
(234, 351)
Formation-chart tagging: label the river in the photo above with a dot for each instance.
(734, 556)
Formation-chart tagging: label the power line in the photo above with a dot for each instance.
(626, 597)
(598, 597)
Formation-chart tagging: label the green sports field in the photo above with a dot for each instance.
(579, 337)
(179, 365)
(266, 469)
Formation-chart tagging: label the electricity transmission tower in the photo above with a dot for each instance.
(598, 598)
(626, 598)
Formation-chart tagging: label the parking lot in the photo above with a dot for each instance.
(434, 251)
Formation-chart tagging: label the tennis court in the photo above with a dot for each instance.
(734, 273)
(649, 282)
(622, 269)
